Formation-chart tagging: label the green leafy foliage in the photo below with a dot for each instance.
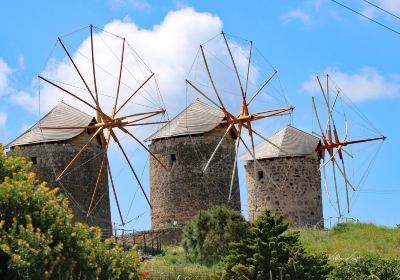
(271, 252)
(38, 239)
(367, 267)
(206, 237)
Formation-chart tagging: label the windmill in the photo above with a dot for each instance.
(242, 67)
(333, 146)
(114, 118)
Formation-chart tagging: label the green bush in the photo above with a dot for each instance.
(206, 237)
(367, 267)
(38, 239)
(270, 252)
(341, 228)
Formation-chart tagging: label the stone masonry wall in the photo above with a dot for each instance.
(180, 192)
(79, 182)
(298, 195)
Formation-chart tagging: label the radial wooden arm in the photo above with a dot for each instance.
(235, 162)
(346, 185)
(154, 113)
(69, 127)
(137, 90)
(262, 87)
(119, 78)
(216, 148)
(115, 193)
(336, 188)
(141, 144)
(79, 153)
(98, 110)
(318, 121)
(131, 167)
(146, 123)
(77, 70)
(270, 142)
(259, 164)
(234, 66)
(248, 68)
(103, 163)
(93, 67)
(211, 79)
(344, 175)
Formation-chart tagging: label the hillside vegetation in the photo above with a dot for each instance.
(347, 240)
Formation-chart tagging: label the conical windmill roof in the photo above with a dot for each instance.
(291, 142)
(63, 115)
(197, 118)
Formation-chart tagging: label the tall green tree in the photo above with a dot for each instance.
(270, 251)
(206, 237)
(38, 239)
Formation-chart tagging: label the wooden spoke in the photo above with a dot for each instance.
(262, 87)
(77, 70)
(268, 141)
(68, 127)
(143, 118)
(336, 189)
(235, 162)
(94, 70)
(103, 163)
(146, 123)
(318, 121)
(216, 148)
(234, 66)
(141, 144)
(259, 164)
(79, 153)
(211, 79)
(344, 175)
(119, 78)
(325, 182)
(115, 193)
(248, 68)
(346, 185)
(131, 167)
(73, 95)
(203, 94)
(133, 94)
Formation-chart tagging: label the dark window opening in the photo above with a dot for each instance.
(312, 213)
(260, 175)
(34, 160)
(173, 158)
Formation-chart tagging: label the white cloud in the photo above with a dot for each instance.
(5, 72)
(135, 4)
(3, 120)
(26, 100)
(366, 84)
(296, 14)
(167, 48)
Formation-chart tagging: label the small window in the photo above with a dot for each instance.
(34, 160)
(173, 158)
(260, 175)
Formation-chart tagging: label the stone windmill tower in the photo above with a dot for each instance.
(295, 189)
(50, 150)
(184, 145)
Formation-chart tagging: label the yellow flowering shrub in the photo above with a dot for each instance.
(38, 239)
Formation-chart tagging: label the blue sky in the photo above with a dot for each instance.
(299, 38)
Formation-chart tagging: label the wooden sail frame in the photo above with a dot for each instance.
(236, 123)
(331, 145)
(107, 124)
